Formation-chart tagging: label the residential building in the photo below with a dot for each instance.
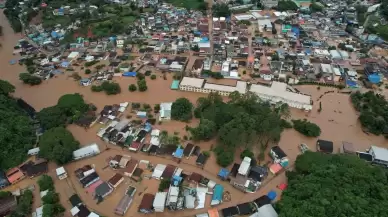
(172, 197)
(160, 201)
(262, 24)
(103, 190)
(125, 201)
(265, 211)
(244, 166)
(197, 67)
(269, 3)
(86, 151)
(131, 167)
(116, 180)
(199, 85)
(15, 175)
(217, 195)
(3, 180)
(61, 173)
(165, 111)
(146, 203)
(379, 155)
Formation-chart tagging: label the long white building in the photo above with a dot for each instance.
(277, 92)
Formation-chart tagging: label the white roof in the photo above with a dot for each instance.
(321, 52)
(211, 184)
(158, 171)
(335, 54)
(256, 14)
(203, 44)
(60, 171)
(373, 8)
(155, 132)
(326, 68)
(87, 150)
(241, 87)
(201, 197)
(189, 202)
(178, 172)
(33, 151)
(380, 153)
(160, 199)
(43, 193)
(267, 211)
(93, 214)
(244, 17)
(244, 166)
(337, 72)
(344, 54)
(281, 94)
(73, 55)
(265, 22)
(277, 13)
(74, 211)
(352, 73)
(155, 141)
(192, 82)
(39, 211)
(166, 106)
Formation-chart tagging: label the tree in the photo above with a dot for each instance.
(195, 48)
(50, 198)
(111, 88)
(88, 71)
(316, 7)
(58, 144)
(182, 110)
(6, 88)
(140, 76)
(332, 48)
(45, 182)
(142, 85)
(51, 117)
(320, 185)
(72, 104)
(286, 5)
(221, 10)
(225, 157)
(204, 131)
(153, 77)
(156, 108)
(30, 79)
(274, 31)
(147, 73)
(306, 128)
(96, 88)
(132, 88)
(16, 130)
(164, 184)
(50, 210)
(247, 153)
(24, 206)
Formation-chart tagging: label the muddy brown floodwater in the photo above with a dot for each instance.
(338, 122)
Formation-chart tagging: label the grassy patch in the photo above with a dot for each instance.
(189, 4)
(128, 19)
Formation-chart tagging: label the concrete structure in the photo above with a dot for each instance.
(269, 3)
(263, 23)
(278, 93)
(165, 111)
(379, 155)
(160, 201)
(199, 85)
(86, 151)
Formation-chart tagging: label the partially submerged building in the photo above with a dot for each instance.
(87, 151)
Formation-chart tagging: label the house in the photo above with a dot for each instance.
(3, 180)
(217, 195)
(38, 212)
(201, 159)
(230, 211)
(197, 67)
(165, 111)
(246, 208)
(146, 203)
(75, 200)
(33, 169)
(325, 146)
(15, 175)
(116, 180)
(158, 171)
(347, 148)
(172, 197)
(73, 56)
(264, 25)
(258, 173)
(188, 150)
(125, 201)
(195, 177)
(261, 201)
(277, 153)
(86, 151)
(90, 179)
(61, 173)
(269, 3)
(265, 211)
(7, 204)
(160, 201)
(119, 43)
(114, 162)
(131, 167)
(244, 166)
(33, 151)
(379, 155)
(168, 172)
(103, 190)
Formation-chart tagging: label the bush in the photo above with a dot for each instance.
(88, 64)
(224, 157)
(156, 108)
(50, 198)
(88, 71)
(110, 88)
(140, 76)
(164, 184)
(285, 124)
(147, 73)
(247, 153)
(153, 77)
(306, 128)
(45, 182)
(132, 88)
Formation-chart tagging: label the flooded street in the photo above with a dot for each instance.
(337, 120)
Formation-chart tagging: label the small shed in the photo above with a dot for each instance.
(275, 168)
(325, 146)
(201, 159)
(195, 177)
(61, 173)
(178, 153)
(223, 174)
(347, 148)
(33, 151)
(146, 203)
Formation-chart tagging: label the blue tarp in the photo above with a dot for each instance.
(12, 62)
(218, 192)
(56, 72)
(54, 34)
(178, 152)
(176, 180)
(307, 51)
(197, 33)
(223, 173)
(295, 30)
(374, 78)
(65, 64)
(148, 127)
(204, 39)
(129, 74)
(351, 83)
(272, 195)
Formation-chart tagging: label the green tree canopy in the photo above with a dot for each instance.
(286, 5)
(142, 84)
(51, 117)
(132, 88)
(17, 134)
(373, 110)
(306, 128)
(24, 206)
(50, 198)
(6, 87)
(32, 80)
(204, 131)
(45, 182)
(50, 210)
(334, 185)
(182, 109)
(247, 153)
(221, 10)
(57, 144)
(72, 103)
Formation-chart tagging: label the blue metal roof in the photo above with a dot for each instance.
(179, 152)
(374, 78)
(223, 173)
(218, 192)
